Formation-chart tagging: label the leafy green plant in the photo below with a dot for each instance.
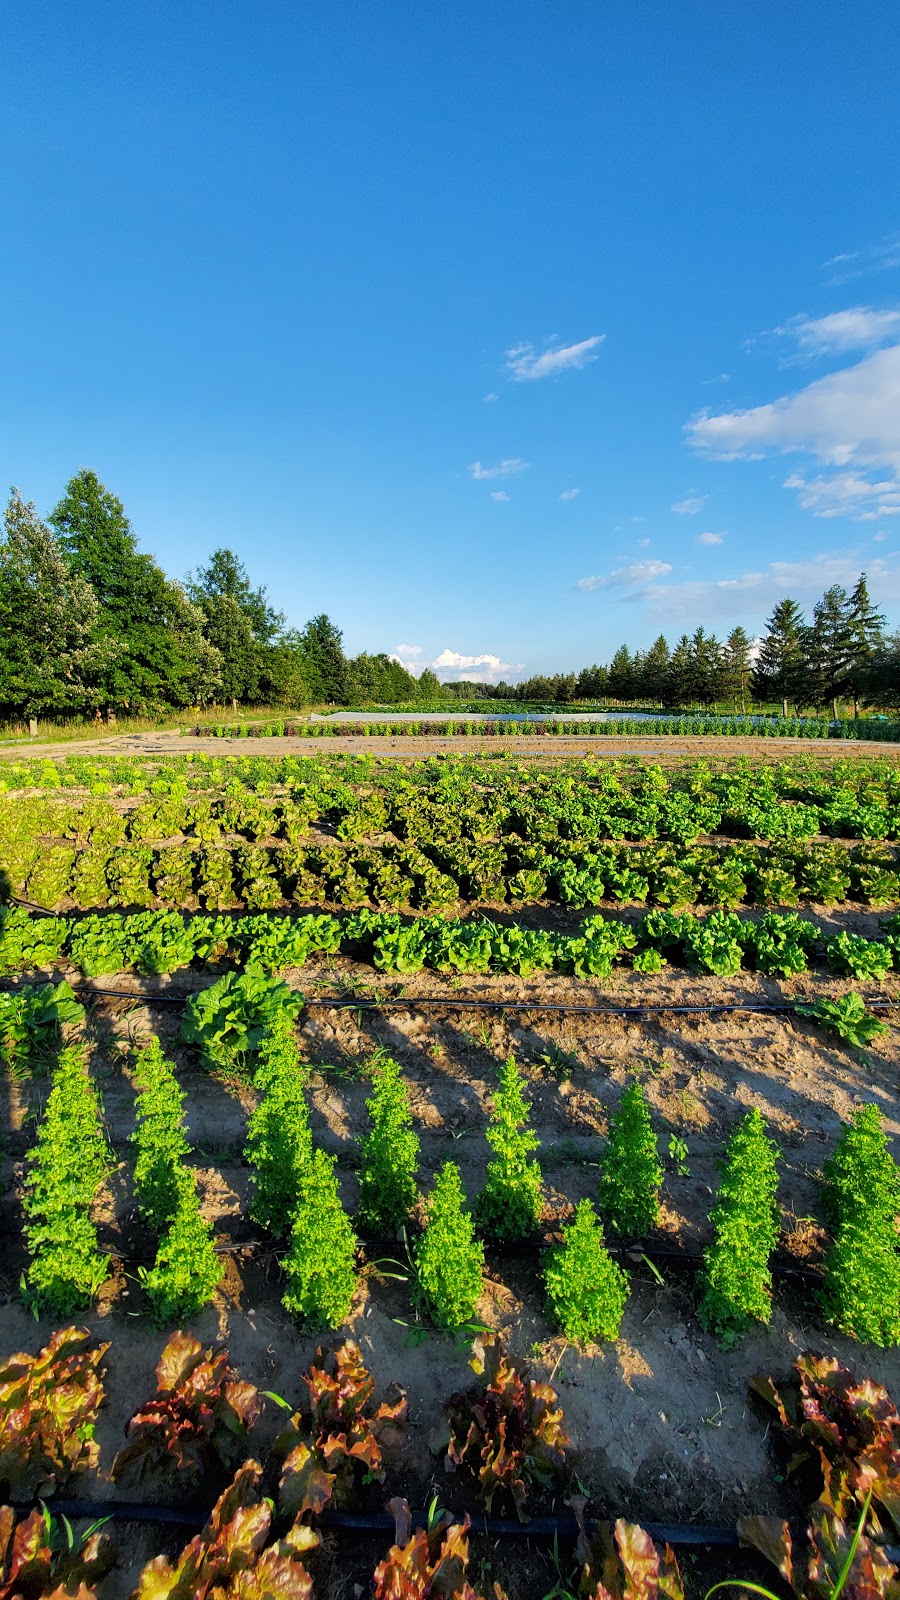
(333, 1448)
(230, 1018)
(586, 1290)
(187, 1270)
(279, 1143)
(631, 1172)
(506, 1430)
(30, 1019)
(199, 1416)
(64, 1169)
(430, 1564)
(863, 958)
(736, 1281)
(42, 1560)
(159, 1137)
(626, 1566)
(861, 1197)
(449, 1260)
(389, 1153)
(320, 1264)
(48, 1410)
(847, 1017)
(230, 1557)
(509, 1205)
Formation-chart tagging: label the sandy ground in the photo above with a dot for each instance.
(659, 1420)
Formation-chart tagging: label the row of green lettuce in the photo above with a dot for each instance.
(779, 943)
(882, 730)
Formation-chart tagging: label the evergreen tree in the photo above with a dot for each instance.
(591, 683)
(156, 652)
(866, 641)
(654, 682)
(509, 1205)
(428, 686)
(620, 682)
(736, 668)
(781, 669)
(829, 649)
(325, 662)
(239, 623)
(50, 657)
(680, 674)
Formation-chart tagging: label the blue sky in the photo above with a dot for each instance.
(498, 330)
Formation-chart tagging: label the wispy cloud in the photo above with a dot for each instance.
(710, 538)
(524, 363)
(504, 469)
(639, 573)
(499, 494)
(644, 544)
(570, 494)
(690, 506)
(487, 398)
(857, 328)
(847, 494)
(851, 264)
(752, 594)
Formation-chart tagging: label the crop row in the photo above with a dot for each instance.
(503, 1438)
(721, 942)
(883, 731)
(296, 1199)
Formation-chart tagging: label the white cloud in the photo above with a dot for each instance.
(484, 668)
(641, 572)
(710, 538)
(410, 657)
(861, 263)
(570, 494)
(690, 506)
(525, 365)
(847, 494)
(487, 398)
(857, 328)
(878, 538)
(644, 544)
(754, 593)
(504, 469)
(499, 494)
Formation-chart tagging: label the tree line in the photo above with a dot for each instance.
(90, 623)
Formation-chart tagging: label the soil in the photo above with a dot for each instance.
(659, 1420)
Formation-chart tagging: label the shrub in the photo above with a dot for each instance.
(506, 1430)
(586, 1289)
(736, 1281)
(862, 1199)
(279, 1144)
(199, 1415)
(335, 1448)
(449, 1260)
(159, 1136)
(509, 1205)
(63, 1172)
(320, 1265)
(48, 1408)
(631, 1172)
(388, 1183)
(187, 1270)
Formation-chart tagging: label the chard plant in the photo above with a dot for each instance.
(320, 1266)
(509, 1205)
(586, 1290)
(279, 1143)
(389, 1154)
(736, 1283)
(198, 1418)
(861, 1195)
(449, 1260)
(631, 1172)
(48, 1411)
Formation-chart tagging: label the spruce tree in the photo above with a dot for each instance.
(324, 660)
(239, 622)
(631, 1172)
(736, 1281)
(388, 1183)
(781, 670)
(449, 1260)
(736, 668)
(509, 1205)
(829, 648)
(865, 641)
(279, 1143)
(320, 1264)
(586, 1290)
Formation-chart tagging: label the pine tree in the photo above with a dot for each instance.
(324, 659)
(655, 672)
(737, 1283)
(865, 641)
(630, 1170)
(781, 668)
(679, 678)
(449, 1260)
(388, 1183)
(736, 668)
(829, 648)
(279, 1143)
(586, 1290)
(320, 1265)
(620, 681)
(239, 623)
(509, 1205)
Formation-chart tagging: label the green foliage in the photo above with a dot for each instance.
(48, 1408)
(389, 1154)
(863, 958)
(320, 1264)
(279, 1144)
(586, 1290)
(862, 1200)
(159, 1137)
(505, 1430)
(847, 1017)
(230, 1018)
(30, 1019)
(64, 1169)
(509, 1205)
(187, 1270)
(631, 1172)
(449, 1260)
(736, 1282)
(198, 1417)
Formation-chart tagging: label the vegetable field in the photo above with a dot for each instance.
(465, 1136)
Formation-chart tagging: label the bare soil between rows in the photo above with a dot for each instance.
(659, 1420)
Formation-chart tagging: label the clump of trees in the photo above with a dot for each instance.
(90, 622)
